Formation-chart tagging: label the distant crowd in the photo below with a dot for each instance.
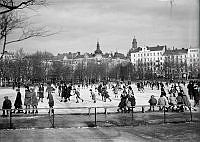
(174, 98)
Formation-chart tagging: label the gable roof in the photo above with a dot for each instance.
(175, 52)
(156, 48)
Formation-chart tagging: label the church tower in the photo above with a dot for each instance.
(134, 43)
(98, 50)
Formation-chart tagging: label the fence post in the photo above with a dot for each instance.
(89, 111)
(190, 108)
(10, 118)
(53, 117)
(164, 114)
(95, 117)
(132, 113)
(105, 113)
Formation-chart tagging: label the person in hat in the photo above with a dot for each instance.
(18, 101)
(6, 105)
(50, 90)
(41, 92)
(34, 100)
(27, 99)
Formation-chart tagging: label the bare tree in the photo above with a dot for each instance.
(10, 5)
(11, 23)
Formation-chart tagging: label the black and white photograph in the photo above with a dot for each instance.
(99, 71)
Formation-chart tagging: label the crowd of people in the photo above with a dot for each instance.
(174, 98)
(30, 100)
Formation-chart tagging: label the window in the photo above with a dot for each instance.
(147, 54)
(144, 54)
(158, 53)
(154, 54)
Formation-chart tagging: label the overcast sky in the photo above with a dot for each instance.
(114, 23)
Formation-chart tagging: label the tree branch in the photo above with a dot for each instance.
(6, 5)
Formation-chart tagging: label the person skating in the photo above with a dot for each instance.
(50, 90)
(41, 92)
(27, 99)
(78, 96)
(105, 94)
(34, 101)
(93, 95)
(131, 98)
(18, 101)
(122, 104)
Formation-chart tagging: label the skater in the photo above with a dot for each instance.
(27, 99)
(93, 95)
(122, 104)
(50, 90)
(131, 98)
(18, 101)
(105, 94)
(77, 93)
(64, 92)
(41, 92)
(6, 105)
(115, 90)
(34, 101)
(59, 89)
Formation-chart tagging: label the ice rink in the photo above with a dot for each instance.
(141, 99)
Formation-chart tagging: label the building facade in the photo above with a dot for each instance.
(147, 59)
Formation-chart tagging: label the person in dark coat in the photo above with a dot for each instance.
(18, 102)
(68, 92)
(41, 92)
(63, 92)
(190, 89)
(50, 90)
(122, 104)
(152, 102)
(196, 95)
(6, 105)
(131, 98)
(180, 102)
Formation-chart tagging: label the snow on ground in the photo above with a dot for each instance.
(141, 99)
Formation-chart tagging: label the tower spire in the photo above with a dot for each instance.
(134, 43)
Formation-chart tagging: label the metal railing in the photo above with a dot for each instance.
(95, 113)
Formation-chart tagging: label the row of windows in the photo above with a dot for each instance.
(147, 54)
(194, 55)
(194, 60)
(150, 68)
(151, 64)
(148, 59)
